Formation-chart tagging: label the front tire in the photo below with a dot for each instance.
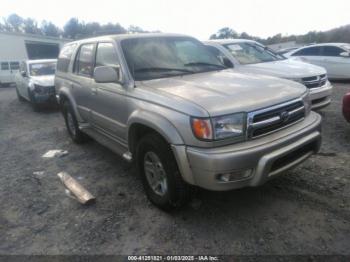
(72, 124)
(20, 98)
(160, 175)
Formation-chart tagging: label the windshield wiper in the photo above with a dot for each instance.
(204, 64)
(161, 69)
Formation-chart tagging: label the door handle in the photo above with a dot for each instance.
(94, 91)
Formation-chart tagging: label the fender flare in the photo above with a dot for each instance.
(64, 92)
(157, 122)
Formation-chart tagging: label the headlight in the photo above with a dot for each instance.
(229, 126)
(222, 127)
(307, 103)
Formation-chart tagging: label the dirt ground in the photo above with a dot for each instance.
(305, 211)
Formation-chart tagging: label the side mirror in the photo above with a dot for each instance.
(345, 54)
(227, 62)
(23, 73)
(107, 74)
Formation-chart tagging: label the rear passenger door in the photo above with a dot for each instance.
(81, 86)
(109, 109)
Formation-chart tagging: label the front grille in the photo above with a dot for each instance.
(315, 81)
(271, 119)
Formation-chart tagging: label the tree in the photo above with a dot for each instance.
(31, 26)
(135, 29)
(73, 28)
(14, 23)
(50, 29)
(224, 33)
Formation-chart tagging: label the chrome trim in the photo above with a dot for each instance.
(275, 119)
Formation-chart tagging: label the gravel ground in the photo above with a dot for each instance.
(305, 211)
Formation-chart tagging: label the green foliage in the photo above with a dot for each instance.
(73, 29)
(340, 34)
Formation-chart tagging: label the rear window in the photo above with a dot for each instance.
(5, 66)
(64, 57)
(331, 51)
(14, 65)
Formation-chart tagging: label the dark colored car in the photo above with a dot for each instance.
(346, 106)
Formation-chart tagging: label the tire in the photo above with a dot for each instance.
(20, 98)
(36, 107)
(172, 192)
(72, 124)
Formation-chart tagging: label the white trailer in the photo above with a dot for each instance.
(17, 47)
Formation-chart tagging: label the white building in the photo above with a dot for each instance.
(16, 47)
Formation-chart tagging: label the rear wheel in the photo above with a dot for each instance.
(160, 175)
(72, 124)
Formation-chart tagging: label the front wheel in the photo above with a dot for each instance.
(161, 178)
(19, 97)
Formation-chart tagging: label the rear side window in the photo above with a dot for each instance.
(84, 60)
(309, 51)
(106, 55)
(65, 57)
(331, 51)
(14, 65)
(5, 66)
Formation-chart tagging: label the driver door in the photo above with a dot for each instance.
(109, 110)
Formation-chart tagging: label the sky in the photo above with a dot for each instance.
(200, 19)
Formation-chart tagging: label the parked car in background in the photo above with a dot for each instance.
(251, 57)
(8, 70)
(35, 82)
(166, 103)
(346, 107)
(286, 50)
(334, 57)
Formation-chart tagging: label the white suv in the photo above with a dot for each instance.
(251, 57)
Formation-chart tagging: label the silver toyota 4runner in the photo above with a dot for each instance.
(167, 104)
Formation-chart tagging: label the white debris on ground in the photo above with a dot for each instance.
(38, 173)
(55, 153)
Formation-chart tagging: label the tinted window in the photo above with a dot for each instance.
(309, 51)
(84, 61)
(64, 58)
(14, 65)
(106, 55)
(5, 66)
(331, 51)
(158, 57)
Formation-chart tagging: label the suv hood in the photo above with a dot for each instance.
(225, 92)
(289, 68)
(43, 80)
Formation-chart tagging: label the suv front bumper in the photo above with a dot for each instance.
(261, 159)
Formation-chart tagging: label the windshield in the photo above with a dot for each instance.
(251, 53)
(158, 57)
(42, 69)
